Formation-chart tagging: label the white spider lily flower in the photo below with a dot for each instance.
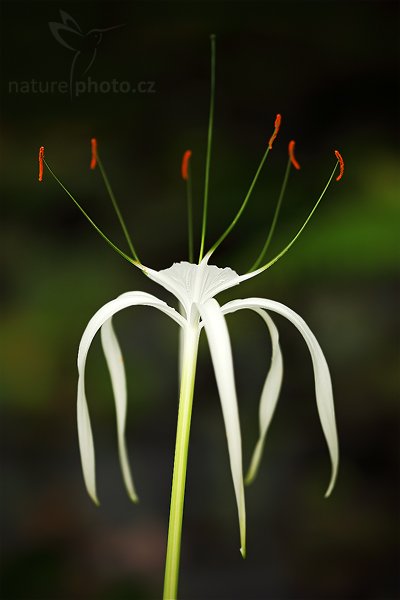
(195, 287)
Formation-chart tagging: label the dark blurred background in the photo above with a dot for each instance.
(331, 69)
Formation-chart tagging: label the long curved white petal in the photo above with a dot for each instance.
(323, 384)
(269, 395)
(221, 355)
(115, 363)
(84, 428)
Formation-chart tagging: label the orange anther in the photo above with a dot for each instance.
(341, 165)
(277, 125)
(93, 161)
(41, 157)
(292, 156)
(185, 165)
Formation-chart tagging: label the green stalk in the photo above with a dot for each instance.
(116, 208)
(209, 144)
(190, 213)
(274, 221)
(243, 206)
(300, 231)
(190, 349)
(103, 235)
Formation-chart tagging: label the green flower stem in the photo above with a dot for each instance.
(189, 363)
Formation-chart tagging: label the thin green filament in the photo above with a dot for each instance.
(209, 144)
(116, 208)
(243, 206)
(263, 252)
(103, 235)
(190, 213)
(290, 244)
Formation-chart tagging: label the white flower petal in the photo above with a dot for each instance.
(269, 395)
(221, 355)
(116, 368)
(323, 384)
(86, 442)
(84, 429)
(181, 343)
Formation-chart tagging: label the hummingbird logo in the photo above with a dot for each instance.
(84, 45)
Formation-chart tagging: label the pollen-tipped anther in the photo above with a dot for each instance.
(41, 157)
(277, 125)
(93, 160)
(341, 165)
(185, 165)
(292, 157)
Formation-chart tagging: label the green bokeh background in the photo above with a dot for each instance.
(331, 69)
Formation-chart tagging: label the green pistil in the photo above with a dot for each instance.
(209, 143)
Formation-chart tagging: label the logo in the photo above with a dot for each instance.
(83, 45)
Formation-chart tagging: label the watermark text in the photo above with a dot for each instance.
(79, 87)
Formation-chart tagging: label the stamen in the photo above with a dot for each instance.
(263, 252)
(93, 161)
(252, 185)
(41, 157)
(96, 160)
(185, 165)
(341, 165)
(292, 156)
(185, 172)
(277, 125)
(103, 235)
(290, 244)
